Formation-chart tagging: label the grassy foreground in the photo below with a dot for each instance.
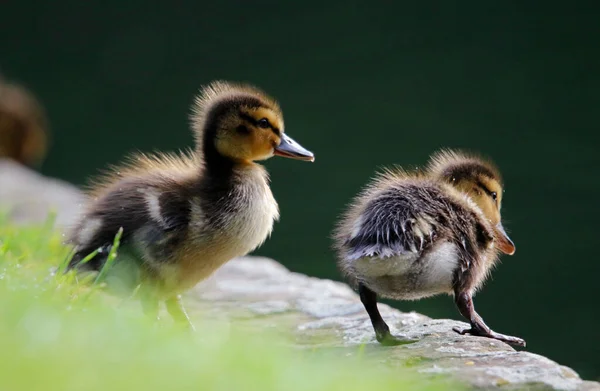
(57, 333)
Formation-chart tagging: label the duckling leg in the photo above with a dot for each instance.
(382, 330)
(464, 302)
(176, 309)
(149, 303)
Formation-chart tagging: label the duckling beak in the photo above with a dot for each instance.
(503, 242)
(289, 148)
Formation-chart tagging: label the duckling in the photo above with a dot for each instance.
(411, 235)
(23, 125)
(185, 215)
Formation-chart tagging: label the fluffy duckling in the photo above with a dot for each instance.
(23, 125)
(183, 216)
(412, 235)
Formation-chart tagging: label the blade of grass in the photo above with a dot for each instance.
(89, 257)
(63, 265)
(112, 255)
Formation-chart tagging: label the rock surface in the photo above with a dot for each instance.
(29, 197)
(328, 315)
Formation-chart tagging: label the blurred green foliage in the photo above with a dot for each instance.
(60, 334)
(362, 84)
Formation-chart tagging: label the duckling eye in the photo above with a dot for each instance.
(494, 195)
(264, 123)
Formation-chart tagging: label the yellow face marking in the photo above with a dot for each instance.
(489, 206)
(274, 118)
(245, 138)
(493, 186)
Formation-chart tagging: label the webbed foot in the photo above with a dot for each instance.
(515, 341)
(387, 339)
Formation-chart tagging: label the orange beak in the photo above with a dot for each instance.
(503, 242)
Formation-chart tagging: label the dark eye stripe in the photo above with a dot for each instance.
(487, 191)
(254, 122)
(249, 118)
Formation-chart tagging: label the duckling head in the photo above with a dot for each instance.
(23, 126)
(481, 181)
(243, 124)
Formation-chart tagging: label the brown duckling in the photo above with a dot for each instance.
(23, 125)
(411, 235)
(183, 216)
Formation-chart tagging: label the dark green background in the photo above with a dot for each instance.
(362, 86)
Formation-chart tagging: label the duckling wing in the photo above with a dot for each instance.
(148, 215)
(396, 222)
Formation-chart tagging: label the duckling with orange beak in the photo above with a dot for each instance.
(183, 216)
(411, 235)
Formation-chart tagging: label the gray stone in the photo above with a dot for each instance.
(28, 197)
(328, 315)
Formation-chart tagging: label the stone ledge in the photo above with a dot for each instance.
(327, 314)
(29, 197)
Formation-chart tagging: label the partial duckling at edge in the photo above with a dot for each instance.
(411, 235)
(183, 216)
(24, 130)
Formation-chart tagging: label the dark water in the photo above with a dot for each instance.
(362, 86)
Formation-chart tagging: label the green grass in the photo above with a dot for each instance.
(58, 333)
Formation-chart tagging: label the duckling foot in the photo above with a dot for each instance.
(515, 341)
(464, 302)
(382, 330)
(389, 340)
